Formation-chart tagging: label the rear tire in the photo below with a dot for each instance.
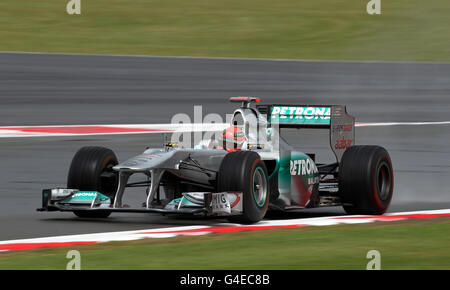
(366, 180)
(91, 169)
(244, 171)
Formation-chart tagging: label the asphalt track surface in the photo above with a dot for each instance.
(42, 89)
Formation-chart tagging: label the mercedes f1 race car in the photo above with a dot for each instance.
(247, 171)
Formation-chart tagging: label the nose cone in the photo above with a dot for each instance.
(147, 160)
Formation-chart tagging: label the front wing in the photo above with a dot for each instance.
(194, 203)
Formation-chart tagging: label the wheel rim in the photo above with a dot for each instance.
(384, 181)
(259, 186)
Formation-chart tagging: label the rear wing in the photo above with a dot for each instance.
(332, 117)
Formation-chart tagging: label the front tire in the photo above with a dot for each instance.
(366, 180)
(244, 171)
(91, 170)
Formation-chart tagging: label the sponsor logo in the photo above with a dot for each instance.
(313, 180)
(220, 203)
(340, 129)
(140, 159)
(86, 194)
(148, 156)
(343, 143)
(303, 167)
(234, 199)
(131, 163)
(300, 113)
(59, 193)
(195, 197)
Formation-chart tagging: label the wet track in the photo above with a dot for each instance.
(69, 89)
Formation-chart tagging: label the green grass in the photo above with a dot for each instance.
(407, 30)
(403, 245)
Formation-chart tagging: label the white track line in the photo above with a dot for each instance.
(371, 124)
(33, 131)
(225, 58)
(74, 240)
(21, 131)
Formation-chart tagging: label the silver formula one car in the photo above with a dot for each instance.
(241, 175)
